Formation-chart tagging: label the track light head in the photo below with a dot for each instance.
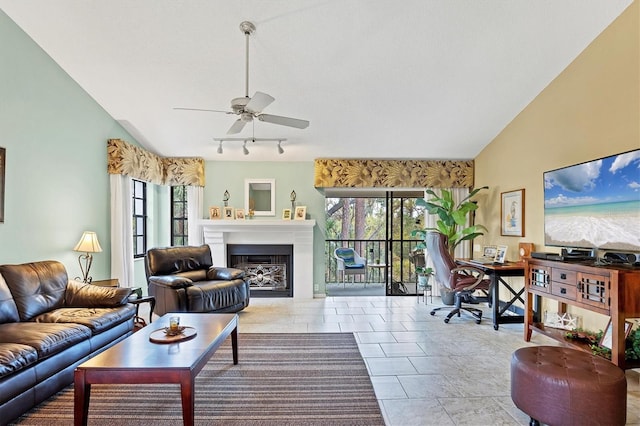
(254, 140)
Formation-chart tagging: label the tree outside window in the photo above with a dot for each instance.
(179, 216)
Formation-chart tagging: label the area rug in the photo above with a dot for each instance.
(281, 379)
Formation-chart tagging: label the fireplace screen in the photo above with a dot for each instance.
(265, 277)
(268, 268)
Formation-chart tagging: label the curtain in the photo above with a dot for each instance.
(126, 159)
(121, 229)
(380, 173)
(195, 203)
(463, 249)
(126, 162)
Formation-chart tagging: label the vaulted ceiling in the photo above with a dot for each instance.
(424, 79)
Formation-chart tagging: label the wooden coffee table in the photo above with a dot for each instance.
(137, 360)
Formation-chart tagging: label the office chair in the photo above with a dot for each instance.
(463, 281)
(350, 263)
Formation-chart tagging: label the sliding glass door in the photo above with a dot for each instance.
(403, 216)
(377, 225)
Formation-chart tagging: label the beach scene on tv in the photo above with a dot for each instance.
(594, 204)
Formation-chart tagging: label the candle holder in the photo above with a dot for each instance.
(225, 198)
(292, 197)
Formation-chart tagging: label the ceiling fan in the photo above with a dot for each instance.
(249, 108)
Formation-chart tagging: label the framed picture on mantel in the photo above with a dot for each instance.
(301, 213)
(512, 213)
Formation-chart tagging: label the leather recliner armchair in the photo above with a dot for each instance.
(183, 279)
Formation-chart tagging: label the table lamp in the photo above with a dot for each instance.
(88, 244)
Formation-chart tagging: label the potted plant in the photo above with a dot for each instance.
(452, 220)
(424, 273)
(452, 217)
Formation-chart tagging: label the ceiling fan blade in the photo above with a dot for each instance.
(237, 127)
(284, 121)
(259, 102)
(206, 110)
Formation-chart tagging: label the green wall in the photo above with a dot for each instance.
(56, 179)
(289, 176)
(57, 185)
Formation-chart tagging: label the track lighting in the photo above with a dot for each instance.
(244, 141)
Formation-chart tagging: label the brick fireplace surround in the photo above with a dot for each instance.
(299, 233)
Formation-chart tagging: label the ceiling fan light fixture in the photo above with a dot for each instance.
(220, 148)
(244, 148)
(280, 150)
(248, 108)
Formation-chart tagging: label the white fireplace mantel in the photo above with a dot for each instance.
(299, 233)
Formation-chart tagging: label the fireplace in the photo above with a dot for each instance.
(268, 267)
(219, 234)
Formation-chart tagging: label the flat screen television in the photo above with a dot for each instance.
(594, 205)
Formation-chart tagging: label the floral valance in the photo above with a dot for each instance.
(336, 173)
(126, 159)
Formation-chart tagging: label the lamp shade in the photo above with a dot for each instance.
(88, 243)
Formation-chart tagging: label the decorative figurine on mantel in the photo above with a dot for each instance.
(225, 198)
(293, 200)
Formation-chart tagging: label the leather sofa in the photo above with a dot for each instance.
(183, 279)
(49, 325)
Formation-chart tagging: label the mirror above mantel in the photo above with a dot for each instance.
(260, 196)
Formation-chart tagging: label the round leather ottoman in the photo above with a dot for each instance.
(562, 386)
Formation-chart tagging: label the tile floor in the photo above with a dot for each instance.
(424, 372)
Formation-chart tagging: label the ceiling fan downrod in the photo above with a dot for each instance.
(247, 29)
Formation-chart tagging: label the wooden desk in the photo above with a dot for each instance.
(496, 273)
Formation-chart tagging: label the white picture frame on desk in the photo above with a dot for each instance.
(489, 252)
(501, 254)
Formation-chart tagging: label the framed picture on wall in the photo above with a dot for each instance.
(3, 152)
(512, 213)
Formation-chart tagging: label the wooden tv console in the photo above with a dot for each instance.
(611, 290)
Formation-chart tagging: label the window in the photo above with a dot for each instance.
(179, 220)
(139, 191)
